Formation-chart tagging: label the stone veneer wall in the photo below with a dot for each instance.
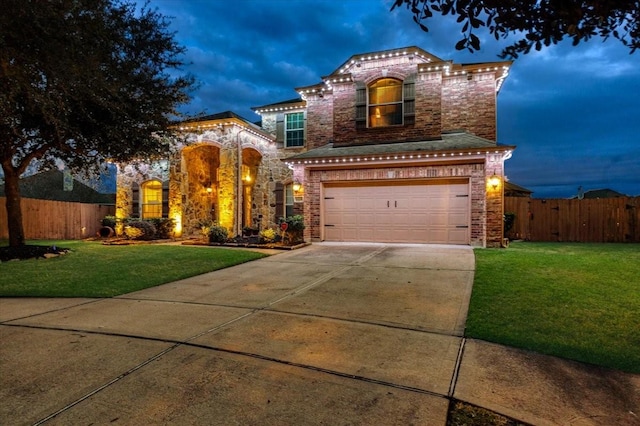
(135, 173)
(486, 206)
(200, 164)
(211, 156)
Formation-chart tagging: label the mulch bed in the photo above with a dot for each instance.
(29, 252)
(464, 414)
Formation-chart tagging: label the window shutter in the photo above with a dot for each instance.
(135, 200)
(409, 94)
(304, 129)
(361, 105)
(165, 198)
(280, 130)
(279, 193)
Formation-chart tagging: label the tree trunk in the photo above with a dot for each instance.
(14, 210)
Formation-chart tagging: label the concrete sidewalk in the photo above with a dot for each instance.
(328, 334)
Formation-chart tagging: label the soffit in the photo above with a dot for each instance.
(450, 143)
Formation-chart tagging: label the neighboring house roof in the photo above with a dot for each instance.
(513, 190)
(449, 143)
(600, 193)
(49, 185)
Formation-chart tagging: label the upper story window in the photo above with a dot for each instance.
(294, 130)
(151, 199)
(385, 103)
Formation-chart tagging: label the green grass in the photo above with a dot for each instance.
(577, 301)
(95, 270)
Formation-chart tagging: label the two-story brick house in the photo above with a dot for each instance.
(393, 146)
(397, 146)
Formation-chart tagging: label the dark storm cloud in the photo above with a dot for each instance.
(573, 112)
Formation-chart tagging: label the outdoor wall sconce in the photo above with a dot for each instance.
(494, 181)
(298, 195)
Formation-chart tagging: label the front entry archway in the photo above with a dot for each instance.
(202, 204)
(251, 160)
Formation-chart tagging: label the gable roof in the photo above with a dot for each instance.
(412, 52)
(295, 103)
(221, 119)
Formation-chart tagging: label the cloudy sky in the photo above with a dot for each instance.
(572, 112)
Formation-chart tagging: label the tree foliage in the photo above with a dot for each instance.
(83, 81)
(538, 22)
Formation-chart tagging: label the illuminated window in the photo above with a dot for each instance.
(288, 200)
(151, 199)
(385, 103)
(294, 130)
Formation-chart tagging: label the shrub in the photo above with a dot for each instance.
(295, 228)
(109, 221)
(203, 226)
(140, 230)
(164, 227)
(509, 219)
(247, 231)
(217, 234)
(267, 235)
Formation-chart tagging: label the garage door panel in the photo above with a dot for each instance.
(438, 219)
(424, 213)
(458, 236)
(458, 203)
(458, 219)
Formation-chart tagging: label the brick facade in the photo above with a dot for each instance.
(447, 97)
(469, 102)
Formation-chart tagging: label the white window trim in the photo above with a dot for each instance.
(286, 130)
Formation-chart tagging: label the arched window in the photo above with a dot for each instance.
(151, 199)
(385, 103)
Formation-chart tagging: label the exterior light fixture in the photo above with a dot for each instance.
(297, 186)
(494, 181)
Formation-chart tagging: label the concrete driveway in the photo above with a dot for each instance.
(328, 334)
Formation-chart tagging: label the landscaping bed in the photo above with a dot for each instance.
(30, 252)
(463, 414)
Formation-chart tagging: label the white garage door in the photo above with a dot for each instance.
(416, 213)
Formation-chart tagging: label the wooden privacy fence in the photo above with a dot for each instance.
(43, 219)
(602, 220)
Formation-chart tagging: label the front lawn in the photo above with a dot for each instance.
(95, 270)
(577, 301)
